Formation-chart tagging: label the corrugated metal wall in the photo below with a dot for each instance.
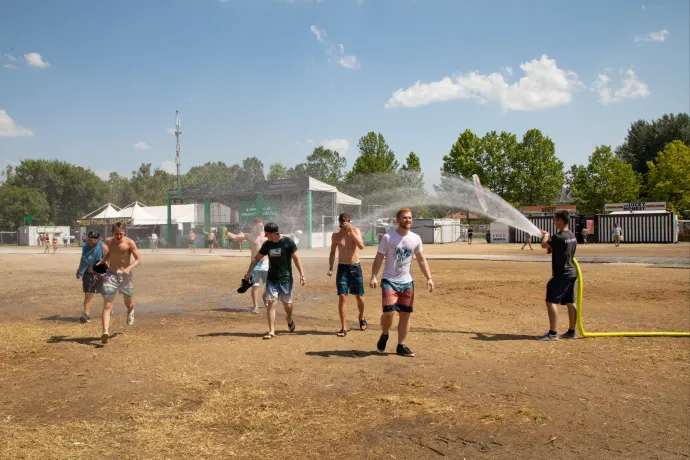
(543, 223)
(638, 228)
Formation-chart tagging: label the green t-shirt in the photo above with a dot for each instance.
(279, 259)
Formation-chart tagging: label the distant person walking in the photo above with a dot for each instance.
(560, 290)
(91, 254)
(470, 233)
(211, 237)
(46, 243)
(56, 243)
(154, 241)
(349, 280)
(192, 241)
(528, 241)
(617, 233)
(585, 234)
(398, 247)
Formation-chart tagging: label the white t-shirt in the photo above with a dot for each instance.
(154, 237)
(398, 251)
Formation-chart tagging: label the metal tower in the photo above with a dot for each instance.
(177, 147)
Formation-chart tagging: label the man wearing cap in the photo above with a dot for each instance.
(281, 252)
(91, 254)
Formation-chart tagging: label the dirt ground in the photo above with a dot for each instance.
(193, 379)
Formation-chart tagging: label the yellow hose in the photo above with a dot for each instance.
(581, 327)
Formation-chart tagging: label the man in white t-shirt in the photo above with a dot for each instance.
(397, 287)
(154, 241)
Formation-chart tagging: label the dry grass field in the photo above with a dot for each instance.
(193, 379)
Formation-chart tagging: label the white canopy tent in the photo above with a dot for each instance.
(341, 198)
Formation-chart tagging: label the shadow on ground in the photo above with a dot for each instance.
(90, 341)
(343, 353)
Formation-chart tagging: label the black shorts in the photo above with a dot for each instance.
(561, 291)
(91, 282)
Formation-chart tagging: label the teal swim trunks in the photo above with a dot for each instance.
(114, 283)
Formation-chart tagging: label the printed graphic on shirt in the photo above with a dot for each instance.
(275, 252)
(402, 254)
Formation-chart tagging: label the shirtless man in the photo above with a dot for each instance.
(119, 276)
(348, 241)
(256, 239)
(192, 241)
(55, 244)
(211, 239)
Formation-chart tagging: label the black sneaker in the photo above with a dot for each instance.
(104, 338)
(403, 350)
(84, 318)
(381, 345)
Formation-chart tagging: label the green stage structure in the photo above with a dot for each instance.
(304, 204)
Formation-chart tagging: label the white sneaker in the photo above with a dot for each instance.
(130, 318)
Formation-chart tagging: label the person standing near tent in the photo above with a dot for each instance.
(281, 252)
(397, 287)
(91, 254)
(154, 241)
(256, 239)
(349, 280)
(560, 290)
(119, 277)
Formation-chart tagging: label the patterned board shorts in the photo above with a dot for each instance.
(92, 282)
(350, 279)
(114, 283)
(279, 291)
(397, 296)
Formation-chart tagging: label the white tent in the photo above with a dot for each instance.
(341, 198)
(139, 215)
(106, 211)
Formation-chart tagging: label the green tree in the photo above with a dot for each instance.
(374, 176)
(299, 170)
(499, 155)
(411, 177)
(537, 174)
(605, 179)
(277, 171)
(326, 165)
(71, 191)
(211, 173)
(645, 140)
(252, 171)
(17, 202)
(669, 177)
(462, 160)
(120, 190)
(151, 188)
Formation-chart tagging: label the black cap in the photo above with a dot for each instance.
(271, 227)
(94, 234)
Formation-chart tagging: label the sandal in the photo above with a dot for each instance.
(363, 324)
(342, 333)
(269, 336)
(291, 326)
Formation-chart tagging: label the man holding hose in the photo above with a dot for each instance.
(560, 290)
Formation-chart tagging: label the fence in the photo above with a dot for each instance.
(543, 223)
(9, 238)
(638, 228)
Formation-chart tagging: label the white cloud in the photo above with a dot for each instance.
(318, 33)
(169, 167)
(660, 36)
(171, 131)
(632, 88)
(343, 60)
(10, 57)
(10, 67)
(339, 145)
(507, 70)
(35, 60)
(543, 86)
(8, 128)
(141, 145)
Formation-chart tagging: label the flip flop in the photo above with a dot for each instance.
(269, 336)
(291, 326)
(363, 324)
(342, 333)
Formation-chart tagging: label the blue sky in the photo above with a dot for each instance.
(86, 82)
